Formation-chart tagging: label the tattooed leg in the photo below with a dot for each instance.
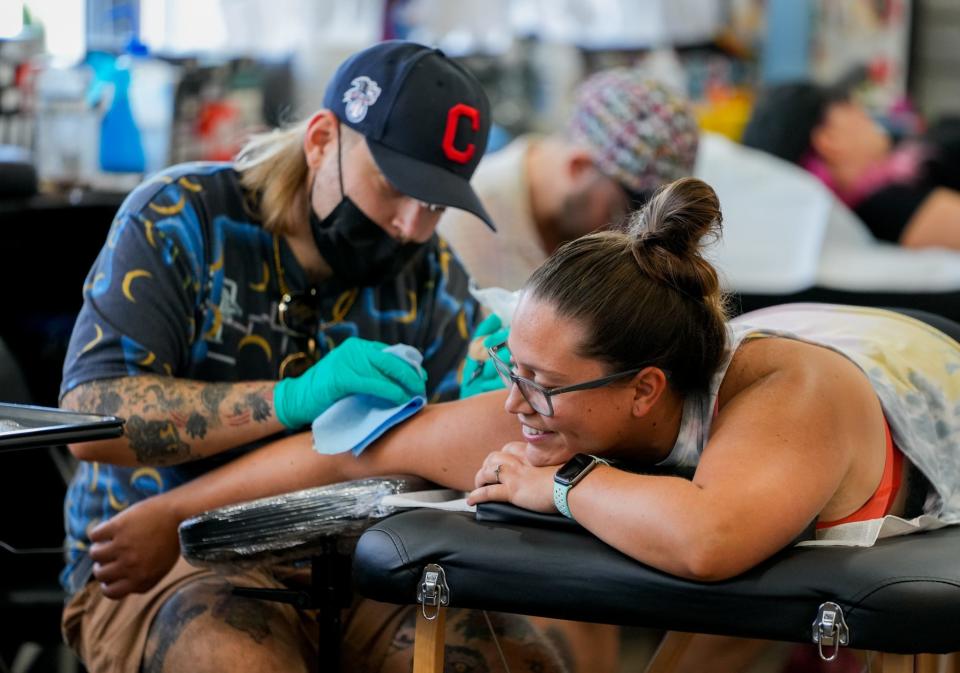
(204, 627)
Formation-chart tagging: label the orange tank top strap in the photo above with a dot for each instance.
(882, 499)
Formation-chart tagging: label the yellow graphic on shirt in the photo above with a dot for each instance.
(256, 340)
(445, 263)
(95, 340)
(341, 307)
(93, 479)
(170, 210)
(192, 186)
(165, 179)
(218, 264)
(96, 278)
(217, 324)
(462, 325)
(148, 226)
(445, 256)
(114, 502)
(148, 473)
(168, 369)
(131, 276)
(410, 315)
(148, 359)
(262, 285)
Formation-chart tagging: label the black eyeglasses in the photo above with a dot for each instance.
(540, 398)
(300, 313)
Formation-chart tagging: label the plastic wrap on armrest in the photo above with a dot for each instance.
(285, 527)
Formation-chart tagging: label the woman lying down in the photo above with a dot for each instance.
(620, 350)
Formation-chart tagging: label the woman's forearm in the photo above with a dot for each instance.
(444, 443)
(287, 465)
(679, 526)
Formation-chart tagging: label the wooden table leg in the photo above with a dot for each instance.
(669, 651)
(429, 641)
(896, 663)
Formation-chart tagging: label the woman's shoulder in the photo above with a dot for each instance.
(790, 398)
(779, 365)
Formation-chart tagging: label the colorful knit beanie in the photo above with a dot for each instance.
(640, 133)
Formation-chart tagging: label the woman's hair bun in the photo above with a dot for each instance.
(678, 217)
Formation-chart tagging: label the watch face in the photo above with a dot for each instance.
(567, 474)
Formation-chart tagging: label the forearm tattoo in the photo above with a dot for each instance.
(156, 442)
(165, 418)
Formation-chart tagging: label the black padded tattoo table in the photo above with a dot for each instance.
(900, 597)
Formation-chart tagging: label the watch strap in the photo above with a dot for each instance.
(562, 491)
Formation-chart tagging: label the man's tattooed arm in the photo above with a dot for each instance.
(170, 421)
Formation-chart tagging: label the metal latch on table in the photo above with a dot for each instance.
(830, 629)
(433, 591)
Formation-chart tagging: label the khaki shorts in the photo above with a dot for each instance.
(109, 635)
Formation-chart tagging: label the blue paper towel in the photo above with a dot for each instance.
(353, 423)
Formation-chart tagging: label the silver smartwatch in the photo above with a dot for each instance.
(569, 475)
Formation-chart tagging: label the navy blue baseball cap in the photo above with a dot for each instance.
(426, 119)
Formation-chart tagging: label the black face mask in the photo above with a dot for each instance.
(358, 250)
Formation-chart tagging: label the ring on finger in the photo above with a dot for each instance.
(496, 473)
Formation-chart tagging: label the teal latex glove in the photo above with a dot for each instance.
(480, 376)
(357, 366)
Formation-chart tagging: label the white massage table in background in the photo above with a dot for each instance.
(786, 238)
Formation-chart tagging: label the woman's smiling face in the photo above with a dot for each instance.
(545, 348)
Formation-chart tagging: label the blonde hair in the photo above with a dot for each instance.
(273, 167)
(646, 295)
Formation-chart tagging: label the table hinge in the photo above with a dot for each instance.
(433, 590)
(830, 629)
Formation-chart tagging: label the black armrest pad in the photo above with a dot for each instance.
(902, 595)
(504, 512)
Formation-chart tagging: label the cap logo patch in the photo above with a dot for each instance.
(363, 93)
(452, 152)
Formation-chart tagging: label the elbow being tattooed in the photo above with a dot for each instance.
(170, 421)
